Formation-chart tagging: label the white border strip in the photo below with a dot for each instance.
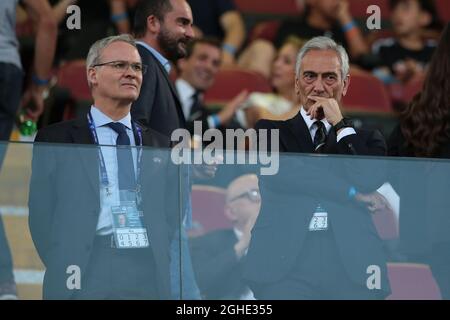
(28, 276)
(14, 211)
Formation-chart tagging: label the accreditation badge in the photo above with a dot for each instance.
(319, 221)
(129, 231)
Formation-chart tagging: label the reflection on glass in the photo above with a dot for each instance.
(238, 244)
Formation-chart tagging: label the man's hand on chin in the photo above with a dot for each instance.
(327, 108)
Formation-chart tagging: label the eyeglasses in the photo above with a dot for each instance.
(122, 66)
(252, 195)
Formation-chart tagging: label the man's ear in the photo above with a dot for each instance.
(92, 76)
(346, 85)
(181, 64)
(153, 24)
(297, 87)
(425, 19)
(229, 213)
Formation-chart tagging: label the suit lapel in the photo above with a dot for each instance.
(153, 175)
(172, 88)
(147, 137)
(300, 132)
(89, 155)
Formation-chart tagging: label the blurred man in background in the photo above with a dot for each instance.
(198, 71)
(218, 255)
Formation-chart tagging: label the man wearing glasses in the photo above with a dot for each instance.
(218, 255)
(77, 194)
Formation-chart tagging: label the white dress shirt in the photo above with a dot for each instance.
(313, 128)
(163, 60)
(107, 137)
(186, 93)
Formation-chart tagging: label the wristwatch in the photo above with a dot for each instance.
(344, 123)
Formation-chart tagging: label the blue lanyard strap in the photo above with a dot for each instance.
(103, 174)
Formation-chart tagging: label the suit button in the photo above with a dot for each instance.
(88, 247)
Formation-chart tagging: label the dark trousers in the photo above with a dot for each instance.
(118, 273)
(11, 78)
(318, 274)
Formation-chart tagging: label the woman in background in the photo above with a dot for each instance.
(424, 131)
(282, 104)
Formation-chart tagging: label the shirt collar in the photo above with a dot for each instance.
(186, 93)
(101, 119)
(185, 90)
(309, 122)
(164, 62)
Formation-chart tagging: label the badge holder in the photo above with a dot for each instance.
(319, 221)
(129, 231)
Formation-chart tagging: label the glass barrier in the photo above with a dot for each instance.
(313, 227)
(78, 228)
(324, 227)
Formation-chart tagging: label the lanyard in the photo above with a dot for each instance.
(103, 173)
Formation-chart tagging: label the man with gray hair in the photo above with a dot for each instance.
(313, 212)
(77, 194)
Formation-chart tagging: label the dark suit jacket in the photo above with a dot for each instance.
(217, 268)
(64, 202)
(158, 105)
(290, 198)
(202, 116)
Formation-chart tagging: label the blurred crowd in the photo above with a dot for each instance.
(248, 41)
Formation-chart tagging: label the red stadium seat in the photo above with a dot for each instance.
(282, 7)
(405, 93)
(410, 281)
(443, 9)
(208, 204)
(72, 76)
(266, 30)
(358, 8)
(230, 82)
(366, 93)
(412, 88)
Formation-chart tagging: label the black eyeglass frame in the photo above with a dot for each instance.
(253, 195)
(133, 65)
